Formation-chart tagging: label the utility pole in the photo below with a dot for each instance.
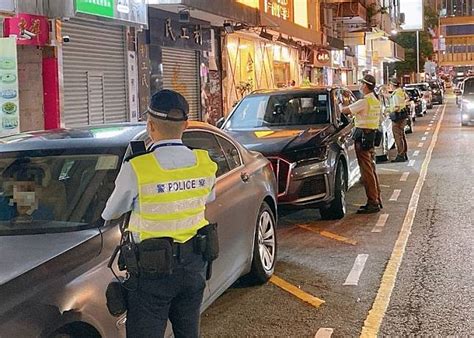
(417, 56)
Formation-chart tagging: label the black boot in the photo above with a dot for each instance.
(406, 157)
(399, 158)
(369, 209)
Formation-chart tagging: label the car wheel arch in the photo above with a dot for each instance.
(74, 328)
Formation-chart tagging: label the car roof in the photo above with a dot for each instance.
(116, 135)
(291, 90)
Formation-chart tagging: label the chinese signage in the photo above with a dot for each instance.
(143, 74)
(278, 8)
(185, 32)
(27, 29)
(133, 11)
(9, 103)
(323, 57)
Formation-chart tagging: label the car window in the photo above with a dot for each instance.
(208, 141)
(280, 110)
(231, 153)
(469, 87)
(54, 193)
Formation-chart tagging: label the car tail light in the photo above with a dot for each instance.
(282, 170)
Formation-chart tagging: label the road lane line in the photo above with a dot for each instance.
(404, 177)
(380, 223)
(423, 138)
(388, 169)
(395, 195)
(428, 129)
(354, 275)
(416, 153)
(324, 332)
(430, 125)
(420, 145)
(411, 163)
(384, 186)
(382, 300)
(297, 292)
(427, 132)
(329, 235)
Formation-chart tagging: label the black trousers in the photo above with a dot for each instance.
(177, 296)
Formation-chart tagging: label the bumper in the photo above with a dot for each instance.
(438, 98)
(467, 117)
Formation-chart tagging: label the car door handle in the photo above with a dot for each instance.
(245, 176)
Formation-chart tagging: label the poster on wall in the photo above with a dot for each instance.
(9, 102)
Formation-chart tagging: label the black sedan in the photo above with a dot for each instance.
(308, 141)
(417, 98)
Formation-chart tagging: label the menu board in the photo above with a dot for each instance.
(9, 100)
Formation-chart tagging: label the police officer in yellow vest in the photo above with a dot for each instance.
(167, 189)
(366, 113)
(398, 114)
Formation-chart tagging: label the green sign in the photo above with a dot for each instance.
(96, 7)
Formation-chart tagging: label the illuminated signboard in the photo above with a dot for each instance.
(278, 8)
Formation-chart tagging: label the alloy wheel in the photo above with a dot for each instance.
(266, 240)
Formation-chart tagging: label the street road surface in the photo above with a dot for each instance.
(408, 270)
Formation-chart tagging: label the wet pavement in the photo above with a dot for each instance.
(343, 263)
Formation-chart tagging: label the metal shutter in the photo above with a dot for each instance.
(181, 73)
(94, 73)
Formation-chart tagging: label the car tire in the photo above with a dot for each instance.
(430, 106)
(264, 247)
(410, 127)
(337, 208)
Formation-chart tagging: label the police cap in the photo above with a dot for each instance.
(368, 79)
(169, 105)
(394, 81)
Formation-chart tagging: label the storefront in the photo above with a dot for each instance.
(321, 74)
(253, 63)
(180, 56)
(97, 63)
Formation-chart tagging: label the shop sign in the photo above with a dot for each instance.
(278, 8)
(7, 6)
(184, 32)
(323, 57)
(134, 11)
(27, 29)
(9, 101)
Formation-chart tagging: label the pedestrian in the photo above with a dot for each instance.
(166, 188)
(398, 114)
(366, 113)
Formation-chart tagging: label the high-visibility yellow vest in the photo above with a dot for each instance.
(397, 99)
(171, 203)
(369, 119)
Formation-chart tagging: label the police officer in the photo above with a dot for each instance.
(366, 114)
(398, 114)
(167, 189)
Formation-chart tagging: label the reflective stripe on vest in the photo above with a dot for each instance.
(171, 203)
(371, 118)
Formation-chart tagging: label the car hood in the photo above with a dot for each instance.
(275, 141)
(23, 253)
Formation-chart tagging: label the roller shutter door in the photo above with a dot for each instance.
(181, 73)
(94, 73)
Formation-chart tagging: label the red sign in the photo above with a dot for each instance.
(323, 56)
(28, 29)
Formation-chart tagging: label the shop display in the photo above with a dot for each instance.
(9, 100)
(8, 94)
(9, 107)
(7, 63)
(8, 78)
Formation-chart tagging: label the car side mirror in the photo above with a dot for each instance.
(220, 122)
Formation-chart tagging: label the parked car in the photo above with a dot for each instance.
(307, 139)
(425, 89)
(388, 140)
(437, 92)
(458, 92)
(467, 102)
(55, 248)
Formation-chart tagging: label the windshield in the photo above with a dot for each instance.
(469, 87)
(412, 93)
(53, 193)
(267, 111)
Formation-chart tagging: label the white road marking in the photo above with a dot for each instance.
(432, 121)
(324, 332)
(430, 125)
(388, 169)
(395, 195)
(427, 132)
(411, 163)
(384, 186)
(382, 300)
(354, 275)
(420, 145)
(428, 129)
(416, 153)
(380, 223)
(423, 138)
(404, 177)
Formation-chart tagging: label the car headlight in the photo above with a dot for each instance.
(307, 155)
(465, 117)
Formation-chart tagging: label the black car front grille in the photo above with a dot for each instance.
(313, 186)
(281, 168)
